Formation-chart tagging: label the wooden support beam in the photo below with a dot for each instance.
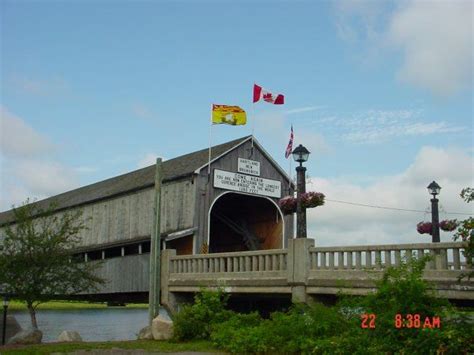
(155, 252)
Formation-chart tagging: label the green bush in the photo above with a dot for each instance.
(195, 321)
(318, 329)
(297, 331)
(242, 333)
(402, 291)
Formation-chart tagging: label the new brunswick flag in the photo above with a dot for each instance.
(232, 115)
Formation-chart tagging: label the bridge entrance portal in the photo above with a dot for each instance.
(240, 222)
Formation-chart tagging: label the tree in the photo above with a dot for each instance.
(465, 232)
(36, 256)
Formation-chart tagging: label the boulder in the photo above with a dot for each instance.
(12, 327)
(162, 328)
(69, 335)
(145, 333)
(26, 337)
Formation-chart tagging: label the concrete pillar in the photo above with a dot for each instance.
(298, 268)
(167, 298)
(140, 250)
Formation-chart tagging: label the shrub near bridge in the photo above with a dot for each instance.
(195, 321)
(318, 329)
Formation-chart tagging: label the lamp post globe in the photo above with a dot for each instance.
(434, 189)
(300, 155)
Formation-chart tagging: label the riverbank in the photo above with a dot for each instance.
(140, 346)
(65, 305)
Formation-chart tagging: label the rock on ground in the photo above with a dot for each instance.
(12, 327)
(69, 335)
(145, 333)
(162, 328)
(26, 337)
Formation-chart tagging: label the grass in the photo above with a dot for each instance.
(148, 345)
(59, 305)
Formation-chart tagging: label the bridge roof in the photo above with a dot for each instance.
(173, 169)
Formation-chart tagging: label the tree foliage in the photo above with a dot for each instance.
(36, 256)
(465, 232)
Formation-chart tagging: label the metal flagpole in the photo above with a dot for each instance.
(289, 177)
(209, 165)
(253, 117)
(292, 138)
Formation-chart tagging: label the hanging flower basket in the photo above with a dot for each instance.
(312, 199)
(424, 227)
(448, 225)
(287, 204)
(308, 200)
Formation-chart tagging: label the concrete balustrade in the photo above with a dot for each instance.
(304, 271)
(249, 261)
(363, 257)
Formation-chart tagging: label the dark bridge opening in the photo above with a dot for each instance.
(241, 222)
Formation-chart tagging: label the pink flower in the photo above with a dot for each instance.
(424, 227)
(308, 200)
(448, 225)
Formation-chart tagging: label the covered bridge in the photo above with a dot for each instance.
(231, 206)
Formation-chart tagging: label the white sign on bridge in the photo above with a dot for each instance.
(247, 166)
(246, 183)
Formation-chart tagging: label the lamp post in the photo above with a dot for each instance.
(300, 155)
(5, 309)
(434, 189)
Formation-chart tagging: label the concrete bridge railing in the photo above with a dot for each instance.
(304, 271)
(363, 257)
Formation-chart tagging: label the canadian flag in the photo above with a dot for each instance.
(261, 93)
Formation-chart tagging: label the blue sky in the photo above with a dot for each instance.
(380, 93)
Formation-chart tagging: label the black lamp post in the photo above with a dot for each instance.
(434, 189)
(300, 155)
(5, 309)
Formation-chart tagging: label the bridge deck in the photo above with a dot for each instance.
(303, 270)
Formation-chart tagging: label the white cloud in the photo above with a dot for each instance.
(434, 37)
(18, 139)
(437, 40)
(273, 132)
(39, 87)
(142, 111)
(376, 126)
(27, 169)
(45, 178)
(147, 160)
(345, 224)
(85, 169)
(358, 20)
(303, 109)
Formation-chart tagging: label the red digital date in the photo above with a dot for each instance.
(368, 321)
(410, 321)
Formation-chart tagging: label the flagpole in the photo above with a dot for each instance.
(253, 121)
(210, 142)
(289, 178)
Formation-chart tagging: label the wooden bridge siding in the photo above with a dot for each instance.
(116, 219)
(130, 216)
(206, 194)
(178, 200)
(125, 274)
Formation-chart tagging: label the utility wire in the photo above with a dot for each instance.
(392, 208)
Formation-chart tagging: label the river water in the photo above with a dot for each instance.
(92, 324)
